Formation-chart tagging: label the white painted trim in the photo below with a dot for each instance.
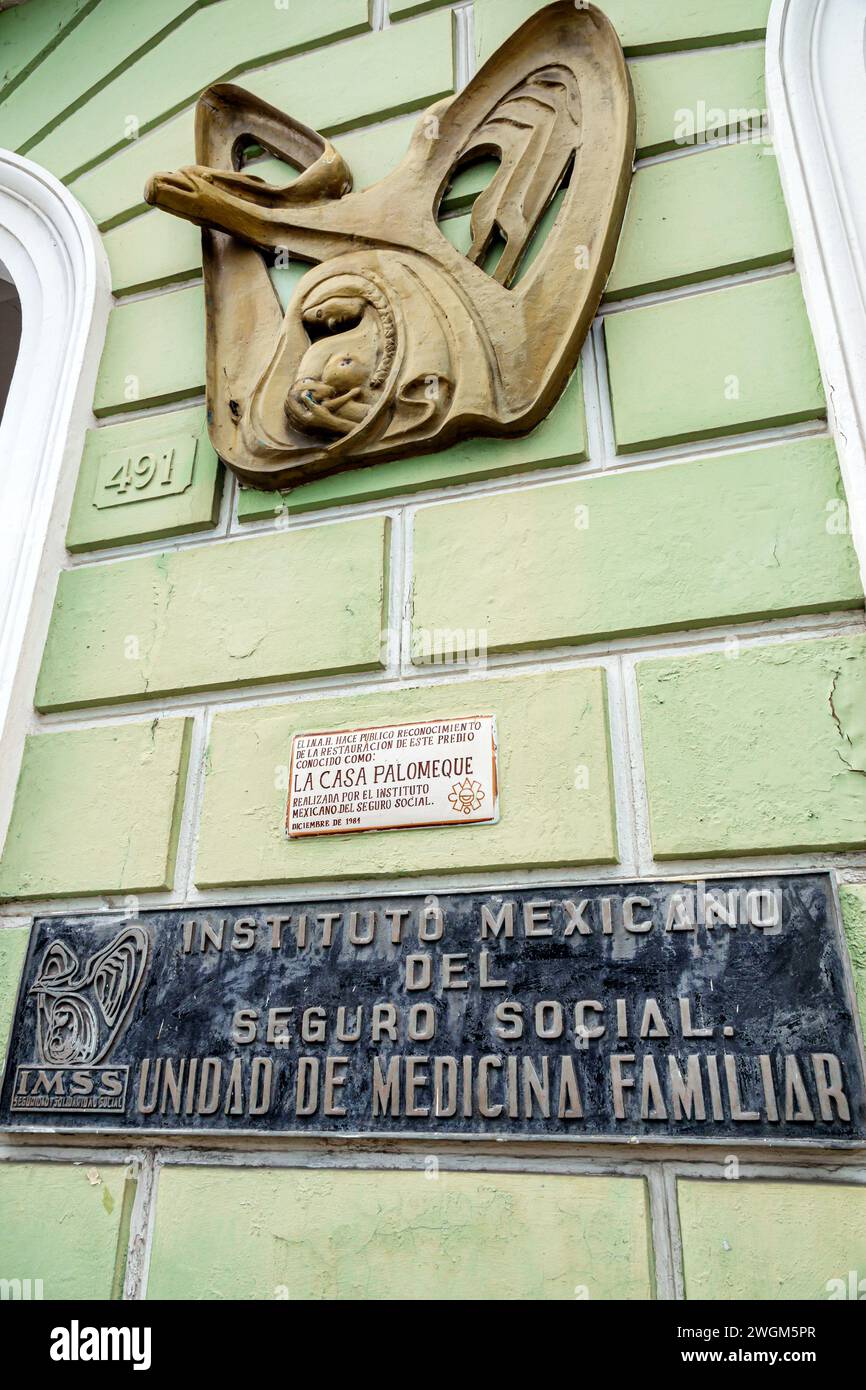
(55, 257)
(816, 86)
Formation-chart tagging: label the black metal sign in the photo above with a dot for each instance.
(691, 1011)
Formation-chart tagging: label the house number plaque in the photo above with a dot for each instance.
(140, 475)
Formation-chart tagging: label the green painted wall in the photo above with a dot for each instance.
(97, 811)
(689, 220)
(772, 1240)
(29, 36)
(634, 547)
(214, 46)
(554, 772)
(13, 945)
(714, 364)
(757, 749)
(295, 604)
(644, 26)
(66, 1224)
(417, 1235)
(853, 901)
(72, 75)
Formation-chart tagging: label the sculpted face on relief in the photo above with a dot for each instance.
(395, 343)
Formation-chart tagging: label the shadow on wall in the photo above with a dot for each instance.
(10, 333)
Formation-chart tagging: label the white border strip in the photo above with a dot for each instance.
(55, 258)
(816, 86)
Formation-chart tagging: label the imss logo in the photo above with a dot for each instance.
(76, 1343)
(81, 1010)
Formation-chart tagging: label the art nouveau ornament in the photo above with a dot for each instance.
(395, 343)
(82, 1008)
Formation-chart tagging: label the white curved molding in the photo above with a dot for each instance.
(53, 253)
(816, 88)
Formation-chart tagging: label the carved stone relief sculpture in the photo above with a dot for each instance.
(395, 343)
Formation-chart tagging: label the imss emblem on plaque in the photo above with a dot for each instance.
(395, 343)
(81, 1007)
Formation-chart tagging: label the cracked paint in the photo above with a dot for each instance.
(317, 1233)
(848, 708)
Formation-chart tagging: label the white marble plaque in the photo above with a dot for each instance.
(396, 777)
